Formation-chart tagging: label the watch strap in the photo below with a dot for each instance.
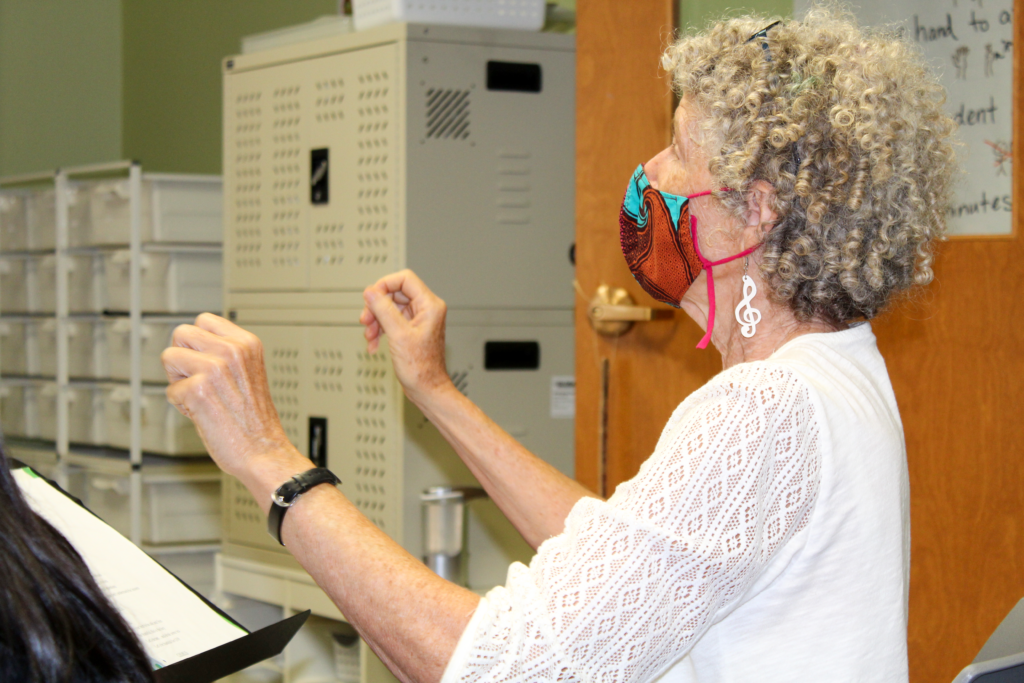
(289, 492)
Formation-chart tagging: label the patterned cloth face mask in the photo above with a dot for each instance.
(659, 240)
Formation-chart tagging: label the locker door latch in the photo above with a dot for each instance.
(318, 441)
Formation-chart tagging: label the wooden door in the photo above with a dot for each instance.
(955, 354)
(624, 116)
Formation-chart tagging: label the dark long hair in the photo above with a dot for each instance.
(55, 623)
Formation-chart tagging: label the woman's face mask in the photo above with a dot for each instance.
(659, 240)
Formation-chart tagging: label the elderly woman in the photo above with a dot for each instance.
(766, 538)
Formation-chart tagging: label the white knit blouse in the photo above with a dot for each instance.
(766, 539)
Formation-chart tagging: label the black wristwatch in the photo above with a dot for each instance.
(289, 492)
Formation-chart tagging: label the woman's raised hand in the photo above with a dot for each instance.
(218, 379)
(413, 317)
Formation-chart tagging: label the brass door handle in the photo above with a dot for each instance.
(613, 312)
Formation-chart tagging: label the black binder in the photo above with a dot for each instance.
(212, 665)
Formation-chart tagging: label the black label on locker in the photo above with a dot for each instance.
(513, 76)
(318, 441)
(318, 173)
(511, 355)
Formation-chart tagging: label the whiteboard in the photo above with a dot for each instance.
(969, 45)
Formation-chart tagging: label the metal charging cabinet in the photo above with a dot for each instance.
(442, 149)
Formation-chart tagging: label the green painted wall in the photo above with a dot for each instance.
(85, 81)
(695, 14)
(60, 83)
(172, 81)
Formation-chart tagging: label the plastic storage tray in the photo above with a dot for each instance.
(16, 292)
(174, 209)
(13, 419)
(87, 348)
(28, 283)
(180, 502)
(13, 220)
(164, 429)
(41, 218)
(521, 14)
(156, 336)
(172, 282)
(194, 566)
(42, 459)
(28, 219)
(85, 283)
(85, 421)
(16, 338)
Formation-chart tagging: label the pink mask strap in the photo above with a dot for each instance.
(711, 278)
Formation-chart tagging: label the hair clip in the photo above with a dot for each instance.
(763, 35)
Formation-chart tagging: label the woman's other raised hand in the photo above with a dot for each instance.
(412, 317)
(218, 379)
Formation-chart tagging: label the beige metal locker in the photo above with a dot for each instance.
(447, 150)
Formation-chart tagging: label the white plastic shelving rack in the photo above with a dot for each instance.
(56, 454)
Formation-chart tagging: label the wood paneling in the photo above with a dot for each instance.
(955, 354)
(956, 358)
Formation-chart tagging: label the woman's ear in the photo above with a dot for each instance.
(761, 216)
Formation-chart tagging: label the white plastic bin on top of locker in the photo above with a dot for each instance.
(519, 14)
(164, 429)
(180, 499)
(172, 281)
(174, 209)
(156, 336)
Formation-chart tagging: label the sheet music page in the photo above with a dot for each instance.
(170, 620)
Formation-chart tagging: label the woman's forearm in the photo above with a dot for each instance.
(534, 495)
(531, 493)
(409, 616)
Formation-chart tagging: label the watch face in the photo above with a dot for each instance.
(289, 492)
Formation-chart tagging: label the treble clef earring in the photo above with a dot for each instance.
(746, 315)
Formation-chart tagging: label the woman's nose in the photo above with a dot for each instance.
(653, 167)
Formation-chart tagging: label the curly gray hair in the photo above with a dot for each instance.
(848, 126)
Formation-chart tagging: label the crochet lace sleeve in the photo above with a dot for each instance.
(632, 583)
